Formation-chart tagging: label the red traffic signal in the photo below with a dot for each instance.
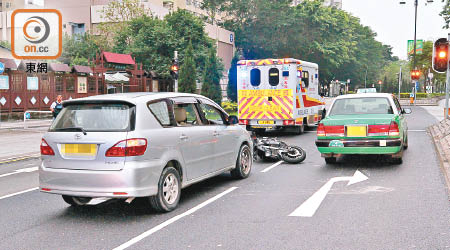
(380, 82)
(415, 74)
(440, 55)
(174, 69)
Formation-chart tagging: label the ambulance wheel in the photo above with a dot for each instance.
(298, 130)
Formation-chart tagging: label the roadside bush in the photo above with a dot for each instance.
(230, 107)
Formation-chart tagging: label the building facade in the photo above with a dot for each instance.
(81, 16)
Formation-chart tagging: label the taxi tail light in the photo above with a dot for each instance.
(393, 129)
(129, 147)
(335, 130)
(378, 130)
(321, 130)
(288, 122)
(243, 122)
(46, 149)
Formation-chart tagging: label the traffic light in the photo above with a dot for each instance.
(174, 68)
(440, 55)
(415, 74)
(380, 82)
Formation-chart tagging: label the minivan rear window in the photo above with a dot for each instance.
(101, 117)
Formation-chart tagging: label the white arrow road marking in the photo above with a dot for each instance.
(310, 206)
(274, 165)
(23, 170)
(172, 220)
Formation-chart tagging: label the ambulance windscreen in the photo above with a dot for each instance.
(274, 76)
(255, 77)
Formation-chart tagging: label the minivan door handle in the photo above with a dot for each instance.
(183, 137)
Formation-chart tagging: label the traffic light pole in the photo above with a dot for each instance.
(447, 83)
(176, 78)
(416, 3)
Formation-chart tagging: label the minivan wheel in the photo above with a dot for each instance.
(169, 191)
(76, 201)
(243, 164)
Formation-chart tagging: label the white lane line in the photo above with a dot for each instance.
(269, 168)
(417, 130)
(21, 192)
(172, 220)
(18, 171)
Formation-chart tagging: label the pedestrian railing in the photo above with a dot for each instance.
(27, 115)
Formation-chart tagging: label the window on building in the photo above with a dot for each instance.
(91, 84)
(17, 84)
(70, 84)
(58, 84)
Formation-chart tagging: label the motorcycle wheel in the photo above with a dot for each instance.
(294, 155)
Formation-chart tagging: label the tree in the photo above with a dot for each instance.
(232, 79)
(116, 16)
(77, 49)
(211, 78)
(153, 41)
(187, 80)
(330, 37)
(445, 13)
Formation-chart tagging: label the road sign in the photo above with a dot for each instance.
(430, 75)
(417, 86)
(2, 68)
(419, 47)
(411, 95)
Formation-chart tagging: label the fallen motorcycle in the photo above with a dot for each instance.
(273, 149)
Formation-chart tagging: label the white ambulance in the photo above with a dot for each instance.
(278, 93)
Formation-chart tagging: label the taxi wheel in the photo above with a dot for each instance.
(243, 163)
(405, 144)
(330, 160)
(76, 201)
(169, 191)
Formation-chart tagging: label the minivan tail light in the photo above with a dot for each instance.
(321, 130)
(393, 129)
(129, 147)
(46, 149)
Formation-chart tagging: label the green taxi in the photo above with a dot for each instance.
(363, 124)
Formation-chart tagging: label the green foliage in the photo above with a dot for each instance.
(211, 78)
(330, 37)
(187, 81)
(153, 41)
(77, 49)
(5, 44)
(232, 79)
(445, 13)
(117, 14)
(230, 107)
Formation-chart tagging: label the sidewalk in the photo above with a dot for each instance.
(440, 133)
(18, 143)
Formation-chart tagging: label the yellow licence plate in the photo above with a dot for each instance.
(266, 122)
(79, 149)
(356, 131)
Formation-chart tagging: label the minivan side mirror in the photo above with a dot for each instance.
(232, 120)
(407, 111)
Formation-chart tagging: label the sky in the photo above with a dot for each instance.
(394, 22)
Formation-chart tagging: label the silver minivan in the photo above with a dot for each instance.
(140, 145)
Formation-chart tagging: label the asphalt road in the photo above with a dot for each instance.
(399, 207)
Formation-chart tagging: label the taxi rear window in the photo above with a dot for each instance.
(366, 105)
